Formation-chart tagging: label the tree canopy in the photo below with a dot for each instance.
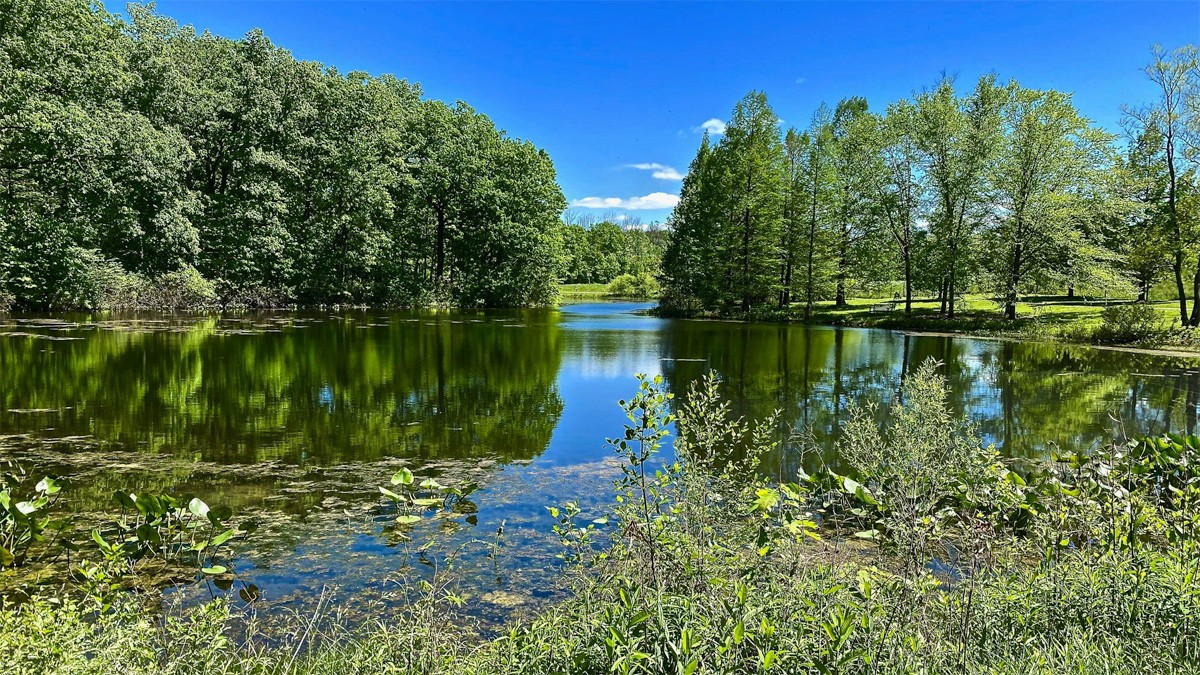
(137, 152)
(997, 189)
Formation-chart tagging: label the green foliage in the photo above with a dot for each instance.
(925, 476)
(725, 248)
(1085, 564)
(642, 286)
(183, 532)
(1002, 189)
(148, 165)
(155, 540)
(600, 252)
(416, 499)
(26, 516)
(1129, 323)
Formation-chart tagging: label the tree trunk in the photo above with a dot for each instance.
(1014, 279)
(785, 293)
(907, 280)
(812, 242)
(746, 261)
(843, 271)
(808, 282)
(1172, 213)
(440, 249)
(1195, 320)
(952, 290)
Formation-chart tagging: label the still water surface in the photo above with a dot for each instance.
(296, 418)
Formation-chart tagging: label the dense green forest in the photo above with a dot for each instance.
(1001, 190)
(598, 250)
(145, 164)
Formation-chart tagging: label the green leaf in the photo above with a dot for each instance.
(147, 534)
(222, 538)
(403, 477)
(408, 519)
(47, 485)
(198, 507)
(124, 499)
(214, 570)
(219, 514)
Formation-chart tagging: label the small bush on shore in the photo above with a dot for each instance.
(1129, 323)
(641, 286)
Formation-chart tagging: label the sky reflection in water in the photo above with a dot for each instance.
(296, 418)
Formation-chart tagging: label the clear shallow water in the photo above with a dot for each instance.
(297, 418)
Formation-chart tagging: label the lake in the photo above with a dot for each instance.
(296, 418)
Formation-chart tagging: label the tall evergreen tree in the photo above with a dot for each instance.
(751, 160)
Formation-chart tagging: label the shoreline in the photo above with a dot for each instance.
(1132, 349)
(1011, 335)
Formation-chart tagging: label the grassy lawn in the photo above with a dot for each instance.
(582, 291)
(974, 312)
(1044, 317)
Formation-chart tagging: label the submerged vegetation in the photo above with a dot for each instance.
(922, 551)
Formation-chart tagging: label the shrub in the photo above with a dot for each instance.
(928, 478)
(641, 286)
(1129, 323)
(95, 282)
(185, 289)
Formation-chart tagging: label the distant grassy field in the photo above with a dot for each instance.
(582, 291)
(973, 312)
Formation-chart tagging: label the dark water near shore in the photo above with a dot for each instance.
(297, 418)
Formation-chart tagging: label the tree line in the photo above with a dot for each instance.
(998, 189)
(136, 153)
(596, 250)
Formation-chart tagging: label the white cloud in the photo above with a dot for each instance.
(714, 127)
(801, 80)
(654, 200)
(661, 171)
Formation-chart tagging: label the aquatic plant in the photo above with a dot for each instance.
(708, 563)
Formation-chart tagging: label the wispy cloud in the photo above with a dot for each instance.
(714, 127)
(660, 171)
(654, 200)
(801, 80)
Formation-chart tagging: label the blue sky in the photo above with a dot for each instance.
(617, 92)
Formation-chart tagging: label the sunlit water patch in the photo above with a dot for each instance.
(296, 419)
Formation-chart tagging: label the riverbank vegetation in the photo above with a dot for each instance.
(147, 164)
(923, 551)
(998, 190)
(1041, 318)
